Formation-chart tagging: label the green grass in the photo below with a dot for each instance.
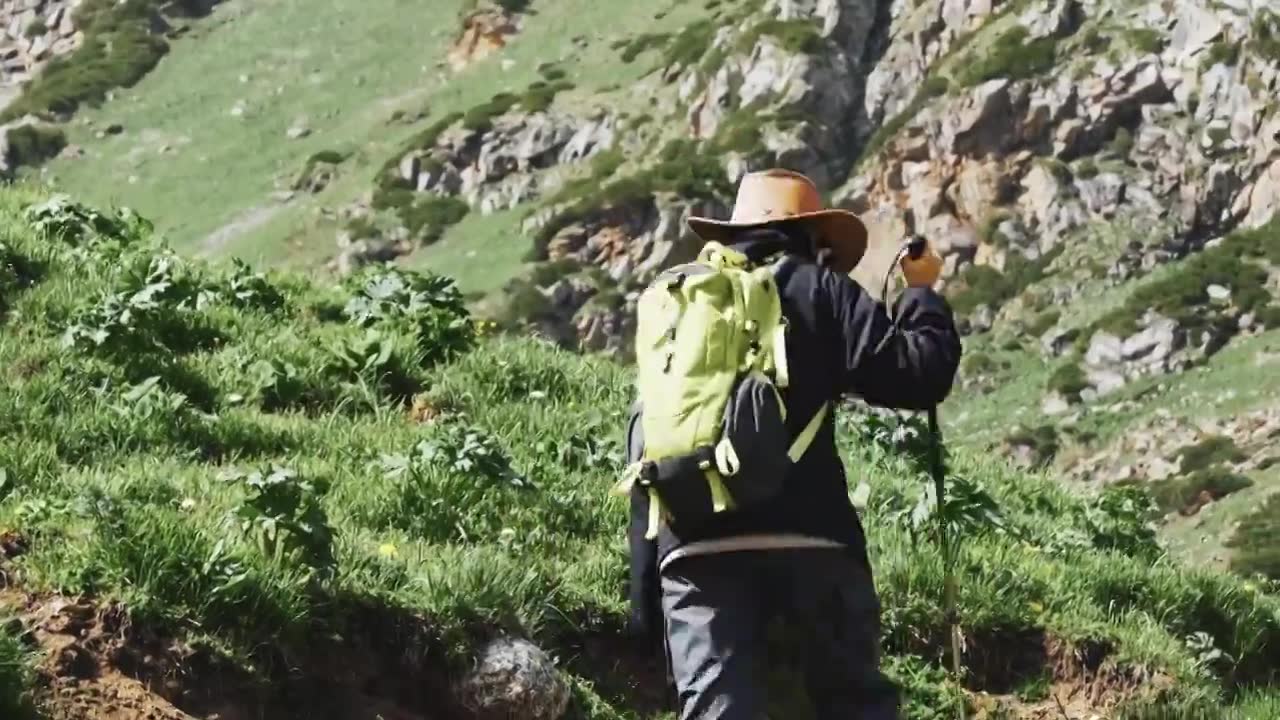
(1068, 380)
(118, 50)
(985, 285)
(1212, 450)
(640, 44)
(341, 66)
(15, 675)
(1181, 293)
(1257, 541)
(480, 252)
(1180, 492)
(1011, 56)
(497, 512)
(796, 36)
(1145, 40)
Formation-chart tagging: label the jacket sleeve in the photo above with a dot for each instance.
(909, 364)
(644, 594)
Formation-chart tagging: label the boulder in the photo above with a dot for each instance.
(977, 189)
(1196, 28)
(515, 680)
(1153, 344)
(1104, 350)
(591, 137)
(1104, 381)
(924, 200)
(1057, 340)
(1053, 18)
(951, 236)
(1055, 404)
(1264, 197)
(978, 123)
(981, 319)
(1102, 194)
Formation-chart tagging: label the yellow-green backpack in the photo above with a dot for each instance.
(711, 359)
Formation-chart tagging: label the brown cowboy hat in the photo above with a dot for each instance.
(772, 195)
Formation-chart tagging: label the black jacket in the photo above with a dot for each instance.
(840, 341)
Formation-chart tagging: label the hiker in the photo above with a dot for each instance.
(785, 543)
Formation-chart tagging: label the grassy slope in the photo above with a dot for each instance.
(119, 492)
(346, 68)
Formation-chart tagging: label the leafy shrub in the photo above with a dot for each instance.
(1042, 322)
(797, 36)
(690, 44)
(32, 144)
(1145, 40)
(1213, 450)
(682, 168)
(1181, 492)
(1257, 541)
(1182, 294)
(17, 272)
(480, 118)
(1042, 440)
(1123, 518)
(429, 303)
(15, 674)
(552, 72)
(106, 236)
(1068, 380)
(1265, 31)
(148, 310)
(427, 217)
(989, 230)
(36, 28)
(984, 285)
(640, 44)
(1222, 52)
(1121, 144)
(245, 288)
(539, 96)
(458, 484)
(978, 363)
(118, 50)
(281, 513)
(1086, 168)
(1011, 56)
(603, 166)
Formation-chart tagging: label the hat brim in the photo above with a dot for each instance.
(840, 230)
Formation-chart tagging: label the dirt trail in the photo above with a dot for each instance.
(247, 222)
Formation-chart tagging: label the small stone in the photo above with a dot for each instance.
(1055, 404)
(297, 132)
(1218, 293)
(244, 78)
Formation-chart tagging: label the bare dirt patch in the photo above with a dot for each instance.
(95, 663)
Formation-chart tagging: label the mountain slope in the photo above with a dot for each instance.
(192, 493)
(1102, 178)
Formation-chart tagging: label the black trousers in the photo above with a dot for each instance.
(718, 609)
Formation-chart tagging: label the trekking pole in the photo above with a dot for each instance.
(949, 585)
(914, 248)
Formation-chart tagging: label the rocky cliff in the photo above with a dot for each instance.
(1006, 133)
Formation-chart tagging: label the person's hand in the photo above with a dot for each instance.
(924, 270)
